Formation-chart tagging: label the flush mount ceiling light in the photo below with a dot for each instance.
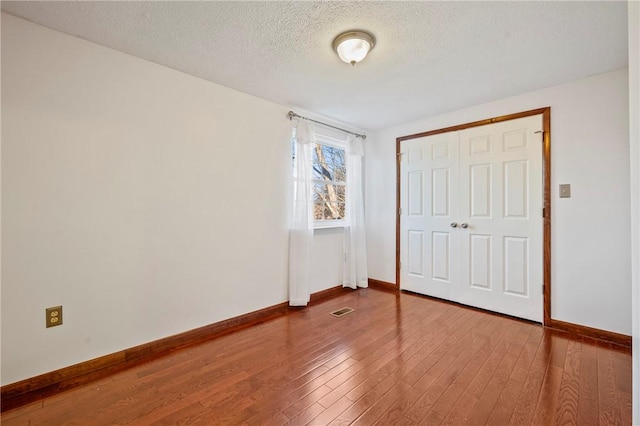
(353, 46)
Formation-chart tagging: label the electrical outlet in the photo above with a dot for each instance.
(54, 316)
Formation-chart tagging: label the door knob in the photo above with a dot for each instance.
(454, 224)
(464, 225)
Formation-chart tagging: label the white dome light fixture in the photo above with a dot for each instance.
(353, 46)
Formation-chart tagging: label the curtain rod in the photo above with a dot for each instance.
(293, 115)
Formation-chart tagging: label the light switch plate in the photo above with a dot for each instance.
(565, 190)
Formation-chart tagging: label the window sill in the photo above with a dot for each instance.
(330, 225)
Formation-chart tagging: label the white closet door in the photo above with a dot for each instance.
(471, 227)
(429, 178)
(501, 200)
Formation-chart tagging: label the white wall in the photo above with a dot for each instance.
(634, 134)
(591, 278)
(145, 201)
(328, 245)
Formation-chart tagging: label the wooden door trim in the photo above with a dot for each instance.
(546, 171)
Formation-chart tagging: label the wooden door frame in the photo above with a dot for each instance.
(546, 172)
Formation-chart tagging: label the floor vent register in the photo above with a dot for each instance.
(342, 312)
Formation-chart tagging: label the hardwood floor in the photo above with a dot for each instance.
(398, 359)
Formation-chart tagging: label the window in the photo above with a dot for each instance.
(329, 176)
(328, 180)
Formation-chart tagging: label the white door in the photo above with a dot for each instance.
(493, 255)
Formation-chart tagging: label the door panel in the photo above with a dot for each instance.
(440, 255)
(480, 191)
(516, 266)
(440, 192)
(480, 246)
(516, 203)
(415, 265)
(415, 193)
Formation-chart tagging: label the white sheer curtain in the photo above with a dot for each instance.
(355, 250)
(301, 232)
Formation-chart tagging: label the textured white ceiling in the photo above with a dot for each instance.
(430, 57)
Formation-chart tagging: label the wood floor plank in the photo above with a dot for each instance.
(588, 405)
(187, 414)
(607, 389)
(622, 370)
(558, 349)
(509, 396)
(625, 407)
(525, 407)
(506, 402)
(528, 354)
(305, 402)
(299, 398)
(331, 412)
(377, 408)
(609, 415)
(567, 412)
(548, 401)
(397, 359)
(350, 415)
(18, 417)
(307, 415)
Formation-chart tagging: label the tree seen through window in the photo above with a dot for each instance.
(329, 176)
